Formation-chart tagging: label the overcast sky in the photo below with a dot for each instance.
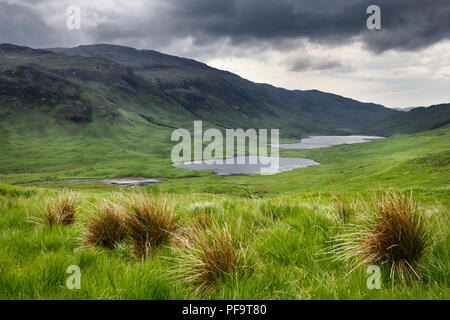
(295, 44)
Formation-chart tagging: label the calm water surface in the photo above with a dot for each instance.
(249, 165)
(315, 142)
(260, 164)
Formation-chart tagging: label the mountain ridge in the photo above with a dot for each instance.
(205, 91)
(103, 82)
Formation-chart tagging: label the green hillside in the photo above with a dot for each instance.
(207, 93)
(416, 120)
(165, 90)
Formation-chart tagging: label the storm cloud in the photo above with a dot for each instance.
(406, 24)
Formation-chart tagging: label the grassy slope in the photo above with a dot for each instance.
(282, 247)
(416, 120)
(419, 162)
(35, 148)
(78, 150)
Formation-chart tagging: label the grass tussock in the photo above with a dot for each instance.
(60, 210)
(203, 219)
(397, 234)
(105, 228)
(345, 209)
(207, 256)
(149, 224)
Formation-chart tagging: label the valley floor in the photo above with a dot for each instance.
(283, 224)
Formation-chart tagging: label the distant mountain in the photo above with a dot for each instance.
(110, 83)
(405, 109)
(416, 120)
(227, 100)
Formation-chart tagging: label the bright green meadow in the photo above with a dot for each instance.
(285, 223)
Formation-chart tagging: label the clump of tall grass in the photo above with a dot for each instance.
(203, 219)
(203, 212)
(149, 223)
(345, 209)
(58, 211)
(396, 235)
(207, 256)
(105, 227)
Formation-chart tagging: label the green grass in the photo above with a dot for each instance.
(286, 222)
(284, 254)
(12, 191)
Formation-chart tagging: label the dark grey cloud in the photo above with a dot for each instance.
(266, 20)
(407, 25)
(410, 25)
(318, 64)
